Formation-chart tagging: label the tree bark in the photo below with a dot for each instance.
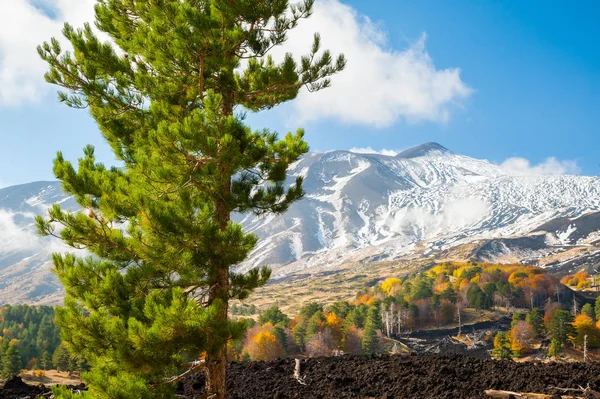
(216, 364)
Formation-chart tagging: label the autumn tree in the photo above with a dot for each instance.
(390, 285)
(334, 325)
(584, 325)
(321, 344)
(521, 338)
(169, 93)
(262, 344)
(502, 347)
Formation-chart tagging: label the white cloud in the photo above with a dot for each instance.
(551, 166)
(23, 26)
(17, 233)
(369, 150)
(380, 85)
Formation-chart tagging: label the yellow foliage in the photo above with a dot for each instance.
(583, 320)
(388, 285)
(365, 299)
(476, 279)
(333, 320)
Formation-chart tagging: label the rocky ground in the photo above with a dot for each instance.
(398, 377)
(383, 377)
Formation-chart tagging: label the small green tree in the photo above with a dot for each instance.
(502, 347)
(315, 324)
(517, 317)
(370, 341)
(588, 310)
(168, 94)
(560, 328)
(597, 308)
(11, 361)
(555, 348)
(62, 358)
(299, 333)
(535, 319)
(274, 316)
(46, 360)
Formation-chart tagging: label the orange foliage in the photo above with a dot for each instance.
(334, 324)
(262, 344)
(584, 325)
(365, 299)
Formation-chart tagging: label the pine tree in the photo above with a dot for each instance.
(46, 360)
(370, 342)
(560, 329)
(535, 319)
(62, 358)
(11, 361)
(315, 325)
(588, 310)
(156, 293)
(516, 317)
(502, 347)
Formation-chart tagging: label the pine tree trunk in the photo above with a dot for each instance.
(216, 364)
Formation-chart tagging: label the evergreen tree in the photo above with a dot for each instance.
(370, 342)
(502, 349)
(315, 324)
(274, 316)
(299, 333)
(62, 358)
(11, 361)
(560, 329)
(356, 317)
(46, 360)
(516, 317)
(588, 310)
(155, 295)
(535, 319)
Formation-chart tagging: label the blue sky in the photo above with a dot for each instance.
(493, 80)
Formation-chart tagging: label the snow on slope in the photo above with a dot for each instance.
(361, 205)
(24, 256)
(357, 207)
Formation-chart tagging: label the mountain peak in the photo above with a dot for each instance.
(423, 150)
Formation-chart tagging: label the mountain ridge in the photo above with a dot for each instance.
(360, 208)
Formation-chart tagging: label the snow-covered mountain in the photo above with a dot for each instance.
(366, 206)
(358, 207)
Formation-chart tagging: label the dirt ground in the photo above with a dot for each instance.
(50, 377)
(386, 377)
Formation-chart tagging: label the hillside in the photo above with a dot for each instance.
(426, 202)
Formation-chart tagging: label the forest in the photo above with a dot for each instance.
(430, 299)
(30, 339)
(434, 298)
